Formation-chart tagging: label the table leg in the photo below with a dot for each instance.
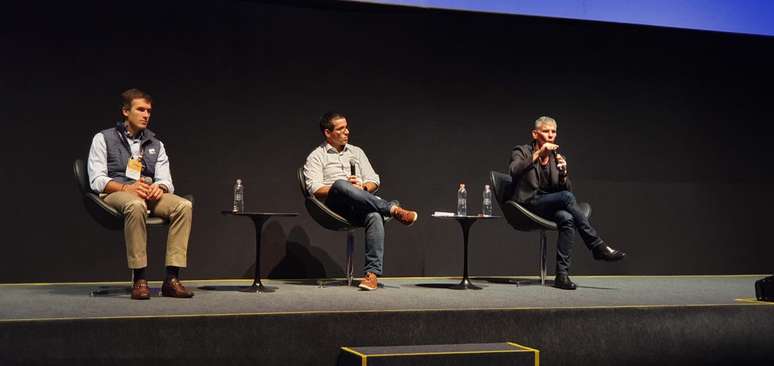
(257, 286)
(465, 284)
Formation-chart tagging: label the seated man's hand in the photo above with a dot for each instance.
(544, 151)
(547, 148)
(352, 179)
(140, 188)
(561, 164)
(154, 192)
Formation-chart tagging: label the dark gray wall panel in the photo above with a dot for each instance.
(666, 131)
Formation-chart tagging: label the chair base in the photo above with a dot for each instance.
(110, 290)
(348, 283)
(336, 283)
(543, 249)
(120, 290)
(349, 270)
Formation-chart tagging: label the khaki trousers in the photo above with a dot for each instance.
(174, 208)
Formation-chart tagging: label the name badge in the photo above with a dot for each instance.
(134, 169)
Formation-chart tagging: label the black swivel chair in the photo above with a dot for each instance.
(105, 215)
(522, 219)
(331, 221)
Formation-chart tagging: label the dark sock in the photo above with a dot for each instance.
(173, 271)
(139, 273)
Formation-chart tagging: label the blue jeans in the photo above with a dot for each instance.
(562, 208)
(363, 209)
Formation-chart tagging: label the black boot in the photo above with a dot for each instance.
(563, 282)
(606, 253)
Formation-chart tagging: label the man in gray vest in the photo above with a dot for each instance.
(129, 167)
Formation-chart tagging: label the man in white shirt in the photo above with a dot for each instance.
(329, 177)
(121, 159)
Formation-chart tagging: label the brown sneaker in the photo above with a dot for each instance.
(173, 288)
(140, 290)
(405, 217)
(369, 282)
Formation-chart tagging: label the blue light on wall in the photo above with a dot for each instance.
(735, 16)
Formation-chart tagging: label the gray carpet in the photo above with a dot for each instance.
(55, 301)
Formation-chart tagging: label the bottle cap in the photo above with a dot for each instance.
(239, 181)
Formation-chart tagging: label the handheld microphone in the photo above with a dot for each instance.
(562, 168)
(352, 168)
(147, 180)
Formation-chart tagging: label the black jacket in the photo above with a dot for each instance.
(526, 180)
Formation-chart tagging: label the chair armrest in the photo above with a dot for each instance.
(585, 208)
(546, 224)
(329, 212)
(516, 215)
(105, 215)
(325, 216)
(96, 200)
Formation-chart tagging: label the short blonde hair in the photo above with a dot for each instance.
(543, 120)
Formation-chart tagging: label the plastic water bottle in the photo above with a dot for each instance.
(486, 207)
(462, 201)
(239, 196)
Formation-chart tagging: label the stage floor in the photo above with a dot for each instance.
(72, 301)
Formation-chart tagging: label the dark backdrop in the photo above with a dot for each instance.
(666, 131)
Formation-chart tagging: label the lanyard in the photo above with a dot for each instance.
(124, 135)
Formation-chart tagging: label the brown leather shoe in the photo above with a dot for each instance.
(369, 282)
(405, 217)
(140, 290)
(173, 288)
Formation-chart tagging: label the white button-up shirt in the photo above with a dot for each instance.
(325, 165)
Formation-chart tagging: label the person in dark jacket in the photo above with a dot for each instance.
(542, 184)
